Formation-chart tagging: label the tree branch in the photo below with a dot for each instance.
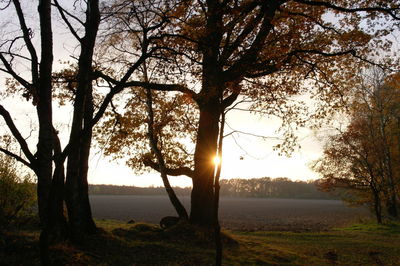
(326, 54)
(16, 157)
(9, 70)
(244, 63)
(62, 12)
(389, 11)
(228, 101)
(15, 132)
(170, 171)
(147, 85)
(247, 29)
(27, 38)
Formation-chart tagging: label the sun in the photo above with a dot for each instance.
(216, 160)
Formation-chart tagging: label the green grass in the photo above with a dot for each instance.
(145, 244)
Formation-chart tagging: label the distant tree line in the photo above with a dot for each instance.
(132, 190)
(265, 187)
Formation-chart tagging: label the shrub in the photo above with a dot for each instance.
(17, 193)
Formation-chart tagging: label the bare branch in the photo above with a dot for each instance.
(27, 38)
(318, 52)
(16, 157)
(15, 132)
(147, 85)
(243, 64)
(9, 70)
(62, 12)
(248, 133)
(389, 11)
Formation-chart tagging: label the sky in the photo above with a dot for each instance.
(248, 157)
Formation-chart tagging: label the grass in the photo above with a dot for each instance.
(146, 244)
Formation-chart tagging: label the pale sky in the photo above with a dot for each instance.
(259, 159)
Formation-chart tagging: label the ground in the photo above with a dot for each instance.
(120, 243)
(237, 214)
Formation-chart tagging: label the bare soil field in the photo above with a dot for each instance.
(247, 214)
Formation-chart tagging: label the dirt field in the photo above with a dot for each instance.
(236, 213)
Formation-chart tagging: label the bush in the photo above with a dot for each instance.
(17, 194)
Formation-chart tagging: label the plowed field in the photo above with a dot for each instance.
(236, 213)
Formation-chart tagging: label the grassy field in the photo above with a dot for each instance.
(146, 244)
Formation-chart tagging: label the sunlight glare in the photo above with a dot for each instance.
(217, 160)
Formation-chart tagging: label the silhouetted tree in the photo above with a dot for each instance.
(266, 51)
(364, 157)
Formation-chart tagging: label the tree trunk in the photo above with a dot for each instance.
(202, 207)
(391, 200)
(79, 213)
(180, 209)
(77, 198)
(52, 220)
(44, 111)
(217, 227)
(377, 206)
(57, 222)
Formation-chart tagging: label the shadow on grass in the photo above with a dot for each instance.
(119, 243)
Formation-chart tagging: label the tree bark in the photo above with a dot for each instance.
(202, 198)
(52, 219)
(202, 210)
(57, 220)
(77, 199)
(43, 167)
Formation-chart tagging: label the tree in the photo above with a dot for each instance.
(140, 106)
(153, 140)
(39, 88)
(18, 48)
(363, 157)
(77, 199)
(267, 51)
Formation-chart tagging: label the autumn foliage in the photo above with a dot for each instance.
(167, 72)
(364, 157)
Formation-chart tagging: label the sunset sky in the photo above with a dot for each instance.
(247, 157)
(253, 158)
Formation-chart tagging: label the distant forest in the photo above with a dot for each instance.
(255, 187)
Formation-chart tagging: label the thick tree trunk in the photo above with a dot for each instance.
(56, 229)
(202, 198)
(202, 207)
(57, 222)
(79, 212)
(77, 198)
(43, 166)
(51, 215)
